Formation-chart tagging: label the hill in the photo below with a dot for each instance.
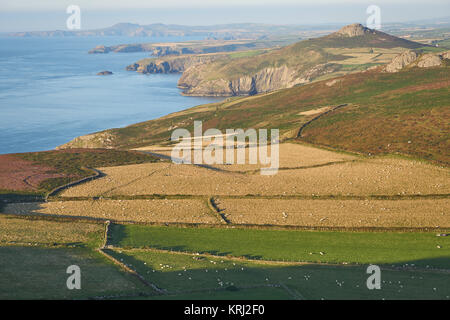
(218, 32)
(353, 47)
(403, 112)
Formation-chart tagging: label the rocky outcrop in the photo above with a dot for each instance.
(94, 140)
(268, 79)
(354, 30)
(429, 60)
(411, 58)
(401, 61)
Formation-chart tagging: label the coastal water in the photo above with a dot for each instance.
(50, 93)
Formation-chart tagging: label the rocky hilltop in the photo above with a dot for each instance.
(354, 30)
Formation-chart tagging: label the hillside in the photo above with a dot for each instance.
(353, 47)
(34, 174)
(403, 112)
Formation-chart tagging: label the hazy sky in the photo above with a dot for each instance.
(23, 15)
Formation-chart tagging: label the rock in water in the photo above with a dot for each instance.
(104, 73)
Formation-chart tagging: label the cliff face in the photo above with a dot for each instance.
(171, 64)
(269, 79)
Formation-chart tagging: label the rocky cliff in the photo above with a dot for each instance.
(265, 80)
(177, 64)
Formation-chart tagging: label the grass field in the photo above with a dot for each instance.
(338, 213)
(40, 273)
(388, 248)
(198, 263)
(35, 254)
(364, 178)
(151, 210)
(185, 276)
(52, 233)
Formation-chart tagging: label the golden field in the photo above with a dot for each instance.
(338, 213)
(314, 187)
(171, 211)
(362, 178)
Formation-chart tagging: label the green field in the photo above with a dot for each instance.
(390, 248)
(34, 256)
(40, 273)
(187, 276)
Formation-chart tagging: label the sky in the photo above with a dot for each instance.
(33, 15)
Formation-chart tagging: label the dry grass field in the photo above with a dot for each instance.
(366, 55)
(181, 211)
(362, 178)
(314, 187)
(338, 213)
(291, 155)
(13, 231)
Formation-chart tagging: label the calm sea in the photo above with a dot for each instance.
(50, 93)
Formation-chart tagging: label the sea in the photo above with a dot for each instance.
(50, 92)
